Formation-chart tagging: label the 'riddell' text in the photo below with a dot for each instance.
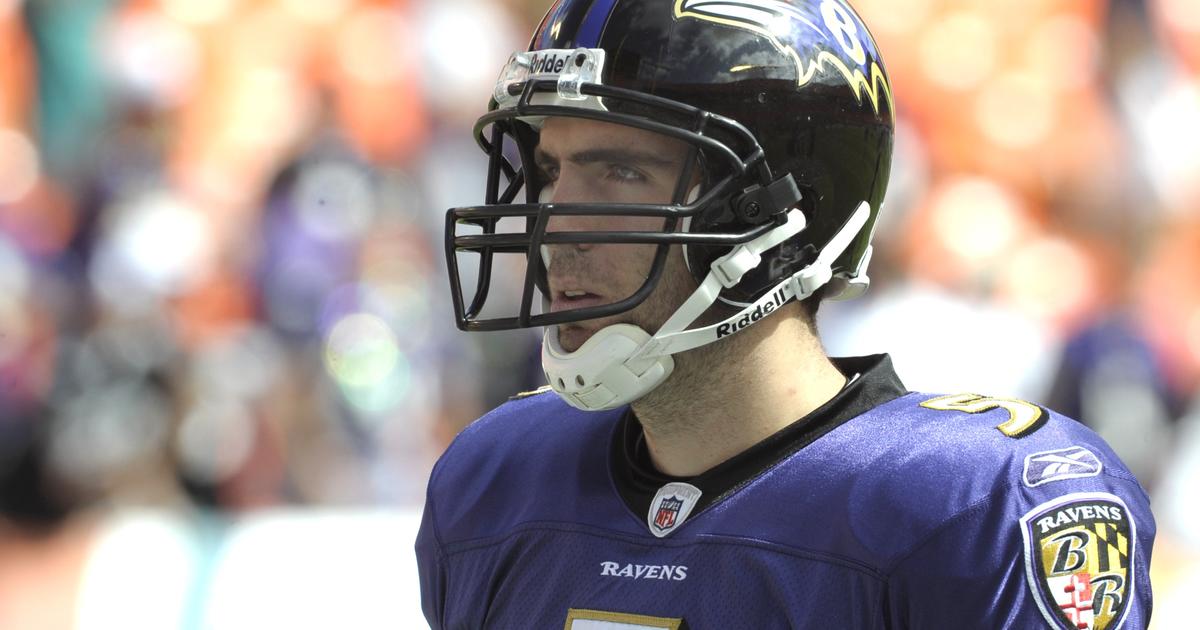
(760, 311)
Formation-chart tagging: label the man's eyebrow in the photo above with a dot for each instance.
(618, 155)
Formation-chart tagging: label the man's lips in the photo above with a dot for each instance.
(560, 302)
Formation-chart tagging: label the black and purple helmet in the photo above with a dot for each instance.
(784, 103)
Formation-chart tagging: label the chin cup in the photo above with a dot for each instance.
(603, 373)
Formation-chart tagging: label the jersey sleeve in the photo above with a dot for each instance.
(1077, 556)
(431, 569)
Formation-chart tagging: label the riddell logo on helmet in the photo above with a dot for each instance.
(760, 311)
(548, 64)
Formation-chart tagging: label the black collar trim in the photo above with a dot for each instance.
(637, 480)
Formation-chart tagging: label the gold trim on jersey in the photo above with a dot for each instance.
(541, 390)
(629, 621)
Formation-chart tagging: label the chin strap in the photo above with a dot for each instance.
(621, 363)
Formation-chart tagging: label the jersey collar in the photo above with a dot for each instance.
(637, 480)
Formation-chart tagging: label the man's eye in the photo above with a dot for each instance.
(548, 173)
(625, 174)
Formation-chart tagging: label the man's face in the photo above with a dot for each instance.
(588, 161)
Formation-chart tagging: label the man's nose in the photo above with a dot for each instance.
(567, 189)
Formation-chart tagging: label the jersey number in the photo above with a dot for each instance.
(1023, 417)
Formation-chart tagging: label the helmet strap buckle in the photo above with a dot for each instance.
(806, 281)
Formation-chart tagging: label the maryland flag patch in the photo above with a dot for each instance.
(1079, 552)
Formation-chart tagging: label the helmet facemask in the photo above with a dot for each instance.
(721, 157)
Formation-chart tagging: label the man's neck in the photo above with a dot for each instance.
(724, 398)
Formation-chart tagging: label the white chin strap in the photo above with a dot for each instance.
(621, 363)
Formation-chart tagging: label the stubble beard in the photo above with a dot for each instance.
(695, 379)
(675, 285)
(700, 380)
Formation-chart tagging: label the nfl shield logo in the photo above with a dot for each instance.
(1079, 554)
(671, 506)
(667, 511)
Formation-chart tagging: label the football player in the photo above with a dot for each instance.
(674, 186)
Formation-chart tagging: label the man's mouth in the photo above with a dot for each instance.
(574, 299)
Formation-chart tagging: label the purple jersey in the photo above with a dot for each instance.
(882, 509)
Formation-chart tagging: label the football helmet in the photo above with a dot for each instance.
(787, 112)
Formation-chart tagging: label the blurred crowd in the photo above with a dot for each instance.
(224, 314)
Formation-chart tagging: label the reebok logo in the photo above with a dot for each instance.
(1063, 463)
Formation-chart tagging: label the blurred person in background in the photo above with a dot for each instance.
(697, 177)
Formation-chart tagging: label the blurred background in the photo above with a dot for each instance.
(227, 352)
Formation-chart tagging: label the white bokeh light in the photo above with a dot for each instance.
(269, 108)
(942, 48)
(139, 574)
(214, 440)
(200, 12)
(1016, 110)
(1181, 14)
(1065, 50)
(361, 350)
(977, 218)
(304, 571)
(155, 246)
(460, 77)
(153, 57)
(1047, 278)
(1170, 135)
(317, 11)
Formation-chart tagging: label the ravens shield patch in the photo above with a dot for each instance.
(1079, 552)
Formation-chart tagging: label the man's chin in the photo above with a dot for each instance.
(571, 337)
